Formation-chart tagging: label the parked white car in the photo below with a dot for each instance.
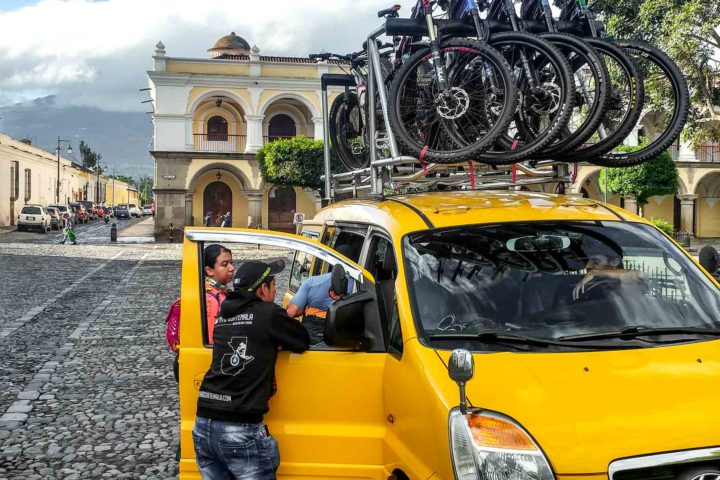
(134, 210)
(147, 210)
(33, 216)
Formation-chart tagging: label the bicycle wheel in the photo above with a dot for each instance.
(347, 136)
(451, 126)
(592, 91)
(545, 97)
(624, 105)
(666, 95)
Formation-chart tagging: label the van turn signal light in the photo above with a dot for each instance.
(497, 433)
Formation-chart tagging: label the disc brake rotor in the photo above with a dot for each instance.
(548, 102)
(453, 103)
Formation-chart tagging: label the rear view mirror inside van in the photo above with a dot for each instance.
(538, 243)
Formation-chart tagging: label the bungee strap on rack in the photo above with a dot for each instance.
(400, 173)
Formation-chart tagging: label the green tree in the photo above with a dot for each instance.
(88, 157)
(292, 162)
(658, 176)
(687, 31)
(144, 185)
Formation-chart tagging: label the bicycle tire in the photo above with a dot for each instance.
(338, 132)
(632, 82)
(679, 115)
(505, 153)
(401, 106)
(586, 58)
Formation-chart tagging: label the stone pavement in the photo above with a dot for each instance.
(86, 385)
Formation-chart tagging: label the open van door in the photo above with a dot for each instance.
(327, 415)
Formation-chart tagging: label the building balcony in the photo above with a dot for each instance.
(219, 143)
(708, 153)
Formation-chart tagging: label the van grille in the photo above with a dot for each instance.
(665, 472)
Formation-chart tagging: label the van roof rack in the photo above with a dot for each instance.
(400, 174)
(406, 174)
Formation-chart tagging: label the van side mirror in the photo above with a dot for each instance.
(345, 322)
(709, 259)
(461, 368)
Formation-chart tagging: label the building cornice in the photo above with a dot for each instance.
(193, 155)
(163, 79)
(169, 79)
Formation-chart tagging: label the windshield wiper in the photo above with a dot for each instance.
(490, 336)
(635, 331)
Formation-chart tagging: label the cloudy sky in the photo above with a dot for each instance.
(95, 53)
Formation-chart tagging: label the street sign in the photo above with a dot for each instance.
(298, 218)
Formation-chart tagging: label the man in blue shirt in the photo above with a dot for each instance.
(312, 300)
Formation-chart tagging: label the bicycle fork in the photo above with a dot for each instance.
(435, 47)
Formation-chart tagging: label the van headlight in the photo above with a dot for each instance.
(488, 446)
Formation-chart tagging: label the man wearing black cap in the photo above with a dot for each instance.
(229, 435)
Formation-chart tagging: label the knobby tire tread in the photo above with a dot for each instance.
(406, 143)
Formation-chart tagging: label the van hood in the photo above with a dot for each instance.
(590, 408)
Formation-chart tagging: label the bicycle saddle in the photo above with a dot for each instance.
(389, 12)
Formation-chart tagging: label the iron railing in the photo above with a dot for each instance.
(272, 138)
(215, 142)
(709, 153)
(683, 238)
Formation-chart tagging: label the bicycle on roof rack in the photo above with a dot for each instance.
(648, 64)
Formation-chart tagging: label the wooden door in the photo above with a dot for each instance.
(217, 200)
(281, 209)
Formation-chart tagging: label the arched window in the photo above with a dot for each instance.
(281, 126)
(217, 129)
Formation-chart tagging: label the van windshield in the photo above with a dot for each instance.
(556, 282)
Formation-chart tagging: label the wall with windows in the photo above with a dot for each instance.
(28, 175)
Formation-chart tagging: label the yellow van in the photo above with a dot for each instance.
(489, 335)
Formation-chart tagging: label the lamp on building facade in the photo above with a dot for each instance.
(218, 102)
(218, 175)
(57, 152)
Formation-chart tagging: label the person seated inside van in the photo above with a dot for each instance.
(313, 299)
(605, 270)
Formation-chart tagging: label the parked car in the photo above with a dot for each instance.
(147, 210)
(63, 209)
(81, 215)
(593, 339)
(90, 208)
(109, 211)
(122, 211)
(55, 218)
(33, 216)
(134, 210)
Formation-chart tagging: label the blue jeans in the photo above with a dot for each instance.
(227, 450)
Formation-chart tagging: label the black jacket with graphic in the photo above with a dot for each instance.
(246, 338)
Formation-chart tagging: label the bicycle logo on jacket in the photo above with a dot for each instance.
(233, 363)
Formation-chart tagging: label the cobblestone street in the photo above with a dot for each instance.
(86, 385)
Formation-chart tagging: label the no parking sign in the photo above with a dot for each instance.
(298, 218)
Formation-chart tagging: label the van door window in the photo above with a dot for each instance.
(349, 242)
(302, 263)
(383, 266)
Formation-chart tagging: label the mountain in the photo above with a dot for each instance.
(123, 138)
